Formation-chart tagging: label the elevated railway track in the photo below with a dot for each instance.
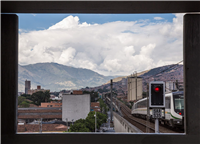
(144, 125)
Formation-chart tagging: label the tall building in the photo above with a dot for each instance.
(131, 83)
(27, 86)
(170, 86)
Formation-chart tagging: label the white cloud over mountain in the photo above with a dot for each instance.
(158, 18)
(112, 48)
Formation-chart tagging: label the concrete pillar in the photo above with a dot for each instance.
(9, 72)
(191, 51)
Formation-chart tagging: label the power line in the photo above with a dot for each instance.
(159, 73)
(165, 69)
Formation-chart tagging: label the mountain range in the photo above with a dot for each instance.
(57, 77)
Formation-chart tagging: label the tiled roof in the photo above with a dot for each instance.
(93, 104)
(39, 111)
(38, 116)
(45, 127)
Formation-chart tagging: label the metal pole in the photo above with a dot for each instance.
(148, 112)
(130, 88)
(111, 84)
(115, 103)
(67, 124)
(136, 85)
(156, 126)
(95, 121)
(41, 125)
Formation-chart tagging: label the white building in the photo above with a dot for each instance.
(75, 106)
(60, 95)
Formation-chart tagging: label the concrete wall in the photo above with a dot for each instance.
(122, 125)
(75, 106)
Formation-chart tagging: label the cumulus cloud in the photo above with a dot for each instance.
(158, 18)
(112, 48)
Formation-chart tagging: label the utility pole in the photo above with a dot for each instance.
(177, 86)
(148, 112)
(95, 121)
(41, 125)
(136, 84)
(111, 84)
(67, 124)
(129, 87)
(115, 103)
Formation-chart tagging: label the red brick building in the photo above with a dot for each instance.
(95, 106)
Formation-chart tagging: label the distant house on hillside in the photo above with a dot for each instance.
(95, 106)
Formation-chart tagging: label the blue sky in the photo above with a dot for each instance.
(44, 21)
(110, 44)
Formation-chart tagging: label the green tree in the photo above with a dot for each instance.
(90, 120)
(47, 96)
(24, 104)
(103, 106)
(79, 126)
(40, 96)
(94, 95)
(21, 99)
(27, 96)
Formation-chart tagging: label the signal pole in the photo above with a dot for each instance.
(156, 126)
(157, 101)
(111, 84)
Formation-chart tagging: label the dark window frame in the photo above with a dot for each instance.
(192, 136)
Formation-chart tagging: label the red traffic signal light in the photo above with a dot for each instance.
(157, 94)
(157, 89)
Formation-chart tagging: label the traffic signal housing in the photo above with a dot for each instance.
(157, 94)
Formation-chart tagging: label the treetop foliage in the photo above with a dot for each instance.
(94, 95)
(36, 97)
(88, 124)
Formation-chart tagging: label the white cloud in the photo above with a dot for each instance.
(69, 22)
(67, 55)
(33, 14)
(119, 47)
(158, 18)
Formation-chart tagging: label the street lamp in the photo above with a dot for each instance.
(72, 121)
(95, 121)
(67, 124)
